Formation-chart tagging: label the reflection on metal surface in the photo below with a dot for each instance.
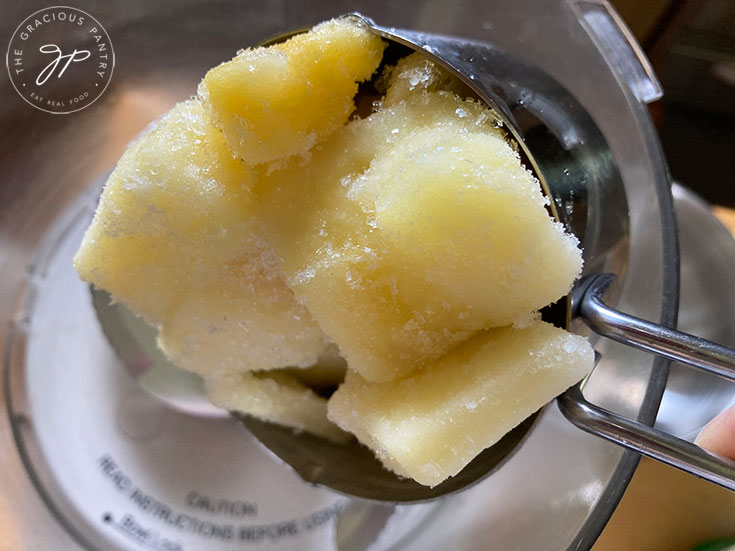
(134, 342)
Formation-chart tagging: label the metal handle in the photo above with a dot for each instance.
(669, 343)
(646, 440)
(651, 337)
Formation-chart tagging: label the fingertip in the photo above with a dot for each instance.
(718, 435)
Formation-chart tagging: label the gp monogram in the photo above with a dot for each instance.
(60, 59)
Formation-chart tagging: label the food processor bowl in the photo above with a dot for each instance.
(92, 462)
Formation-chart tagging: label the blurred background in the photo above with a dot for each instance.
(691, 44)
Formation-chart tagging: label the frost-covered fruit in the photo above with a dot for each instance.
(172, 239)
(276, 397)
(412, 229)
(279, 101)
(430, 425)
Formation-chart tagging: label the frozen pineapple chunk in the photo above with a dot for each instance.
(276, 397)
(412, 229)
(174, 202)
(466, 230)
(172, 239)
(242, 316)
(279, 101)
(413, 75)
(430, 425)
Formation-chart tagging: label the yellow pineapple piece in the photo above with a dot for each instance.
(430, 425)
(242, 316)
(421, 223)
(413, 75)
(467, 230)
(279, 101)
(276, 397)
(172, 239)
(150, 238)
(288, 396)
(256, 215)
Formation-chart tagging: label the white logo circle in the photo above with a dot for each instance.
(60, 59)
